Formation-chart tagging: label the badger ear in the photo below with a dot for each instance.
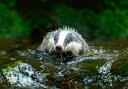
(74, 47)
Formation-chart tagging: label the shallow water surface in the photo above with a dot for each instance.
(105, 67)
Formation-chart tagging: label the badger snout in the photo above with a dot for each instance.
(64, 41)
(58, 48)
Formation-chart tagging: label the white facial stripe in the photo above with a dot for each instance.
(62, 37)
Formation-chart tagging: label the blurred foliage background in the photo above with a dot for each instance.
(100, 19)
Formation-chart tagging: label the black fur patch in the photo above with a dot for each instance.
(68, 39)
(56, 36)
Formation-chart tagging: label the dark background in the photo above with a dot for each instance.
(94, 19)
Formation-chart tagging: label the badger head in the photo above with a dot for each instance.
(64, 42)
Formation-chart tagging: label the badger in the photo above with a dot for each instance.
(64, 40)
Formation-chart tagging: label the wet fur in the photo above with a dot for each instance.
(76, 47)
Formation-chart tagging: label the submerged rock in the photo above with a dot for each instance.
(24, 76)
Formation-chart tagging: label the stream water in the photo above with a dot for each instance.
(22, 67)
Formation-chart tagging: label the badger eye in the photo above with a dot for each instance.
(55, 39)
(68, 38)
(66, 42)
(56, 36)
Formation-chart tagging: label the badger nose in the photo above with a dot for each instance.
(58, 48)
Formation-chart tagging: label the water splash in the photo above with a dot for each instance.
(104, 79)
(23, 75)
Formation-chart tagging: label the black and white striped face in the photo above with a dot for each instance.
(62, 39)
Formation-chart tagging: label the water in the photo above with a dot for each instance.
(105, 67)
(23, 75)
